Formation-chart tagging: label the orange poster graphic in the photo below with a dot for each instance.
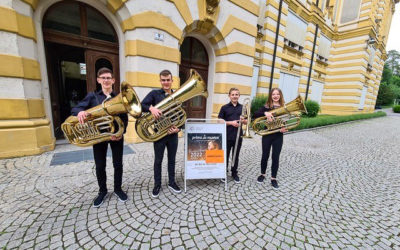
(215, 156)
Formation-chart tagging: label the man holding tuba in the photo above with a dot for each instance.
(231, 113)
(106, 79)
(170, 141)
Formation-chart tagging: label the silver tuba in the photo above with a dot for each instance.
(173, 114)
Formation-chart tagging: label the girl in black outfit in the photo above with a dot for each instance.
(275, 100)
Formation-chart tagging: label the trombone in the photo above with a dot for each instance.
(245, 115)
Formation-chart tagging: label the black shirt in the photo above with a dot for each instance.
(152, 98)
(262, 110)
(93, 99)
(229, 112)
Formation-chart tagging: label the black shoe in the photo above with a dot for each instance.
(121, 195)
(261, 179)
(156, 191)
(174, 188)
(99, 199)
(236, 178)
(223, 180)
(274, 183)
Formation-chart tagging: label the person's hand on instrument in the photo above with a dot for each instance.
(173, 130)
(155, 112)
(115, 138)
(284, 130)
(243, 120)
(235, 123)
(82, 116)
(269, 116)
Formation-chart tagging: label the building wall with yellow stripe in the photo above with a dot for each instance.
(347, 72)
(229, 35)
(25, 127)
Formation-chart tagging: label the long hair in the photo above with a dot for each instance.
(270, 102)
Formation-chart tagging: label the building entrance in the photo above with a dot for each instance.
(79, 40)
(194, 56)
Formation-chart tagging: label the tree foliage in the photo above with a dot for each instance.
(389, 88)
(393, 61)
(385, 95)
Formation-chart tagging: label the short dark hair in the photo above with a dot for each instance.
(104, 70)
(233, 89)
(165, 72)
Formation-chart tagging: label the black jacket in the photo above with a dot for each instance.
(93, 99)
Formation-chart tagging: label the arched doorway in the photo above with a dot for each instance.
(194, 56)
(78, 41)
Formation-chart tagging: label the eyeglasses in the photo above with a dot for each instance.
(105, 78)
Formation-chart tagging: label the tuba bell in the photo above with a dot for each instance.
(100, 124)
(173, 114)
(287, 117)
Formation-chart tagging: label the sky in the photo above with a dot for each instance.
(394, 33)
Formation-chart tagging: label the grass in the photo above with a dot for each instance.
(323, 120)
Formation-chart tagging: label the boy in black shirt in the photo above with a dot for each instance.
(106, 79)
(231, 113)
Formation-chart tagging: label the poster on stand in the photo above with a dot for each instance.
(205, 147)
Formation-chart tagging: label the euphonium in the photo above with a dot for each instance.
(100, 126)
(287, 116)
(173, 114)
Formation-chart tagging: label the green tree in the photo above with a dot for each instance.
(387, 73)
(385, 95)
(393, 61)
(395, 80)
(396, 90)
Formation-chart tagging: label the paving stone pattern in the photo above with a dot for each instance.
(339, 188)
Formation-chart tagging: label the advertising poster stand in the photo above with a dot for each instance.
(205, 150)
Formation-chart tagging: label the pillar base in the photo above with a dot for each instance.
(25, 137)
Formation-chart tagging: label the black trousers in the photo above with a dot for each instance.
(171, 143)
(100, 154)
(230, 145)
(275, 141)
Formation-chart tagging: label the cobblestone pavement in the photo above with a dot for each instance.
(339, 188)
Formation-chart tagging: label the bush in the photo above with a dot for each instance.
(396, 109)
(312, 108)
(323, 120)
(257, 103)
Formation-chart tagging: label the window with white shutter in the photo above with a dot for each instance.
(350, 10)
(324, 46)
(289, 84)
(296, 29)
(316, 91)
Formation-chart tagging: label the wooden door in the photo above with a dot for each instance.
(96, 60)
(195, 107)
(194, 56)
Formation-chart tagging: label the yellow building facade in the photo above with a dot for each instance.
(330, 51)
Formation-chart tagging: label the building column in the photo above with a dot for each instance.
(25, 128)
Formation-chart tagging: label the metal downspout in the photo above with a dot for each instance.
(312, 56)
(275, 45)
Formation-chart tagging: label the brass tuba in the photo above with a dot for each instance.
(173, 114)
(287, 116)
(99, 126)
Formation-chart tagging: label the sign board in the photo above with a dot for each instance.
(205, 147)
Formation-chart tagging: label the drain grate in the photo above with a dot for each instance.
(80, 155)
